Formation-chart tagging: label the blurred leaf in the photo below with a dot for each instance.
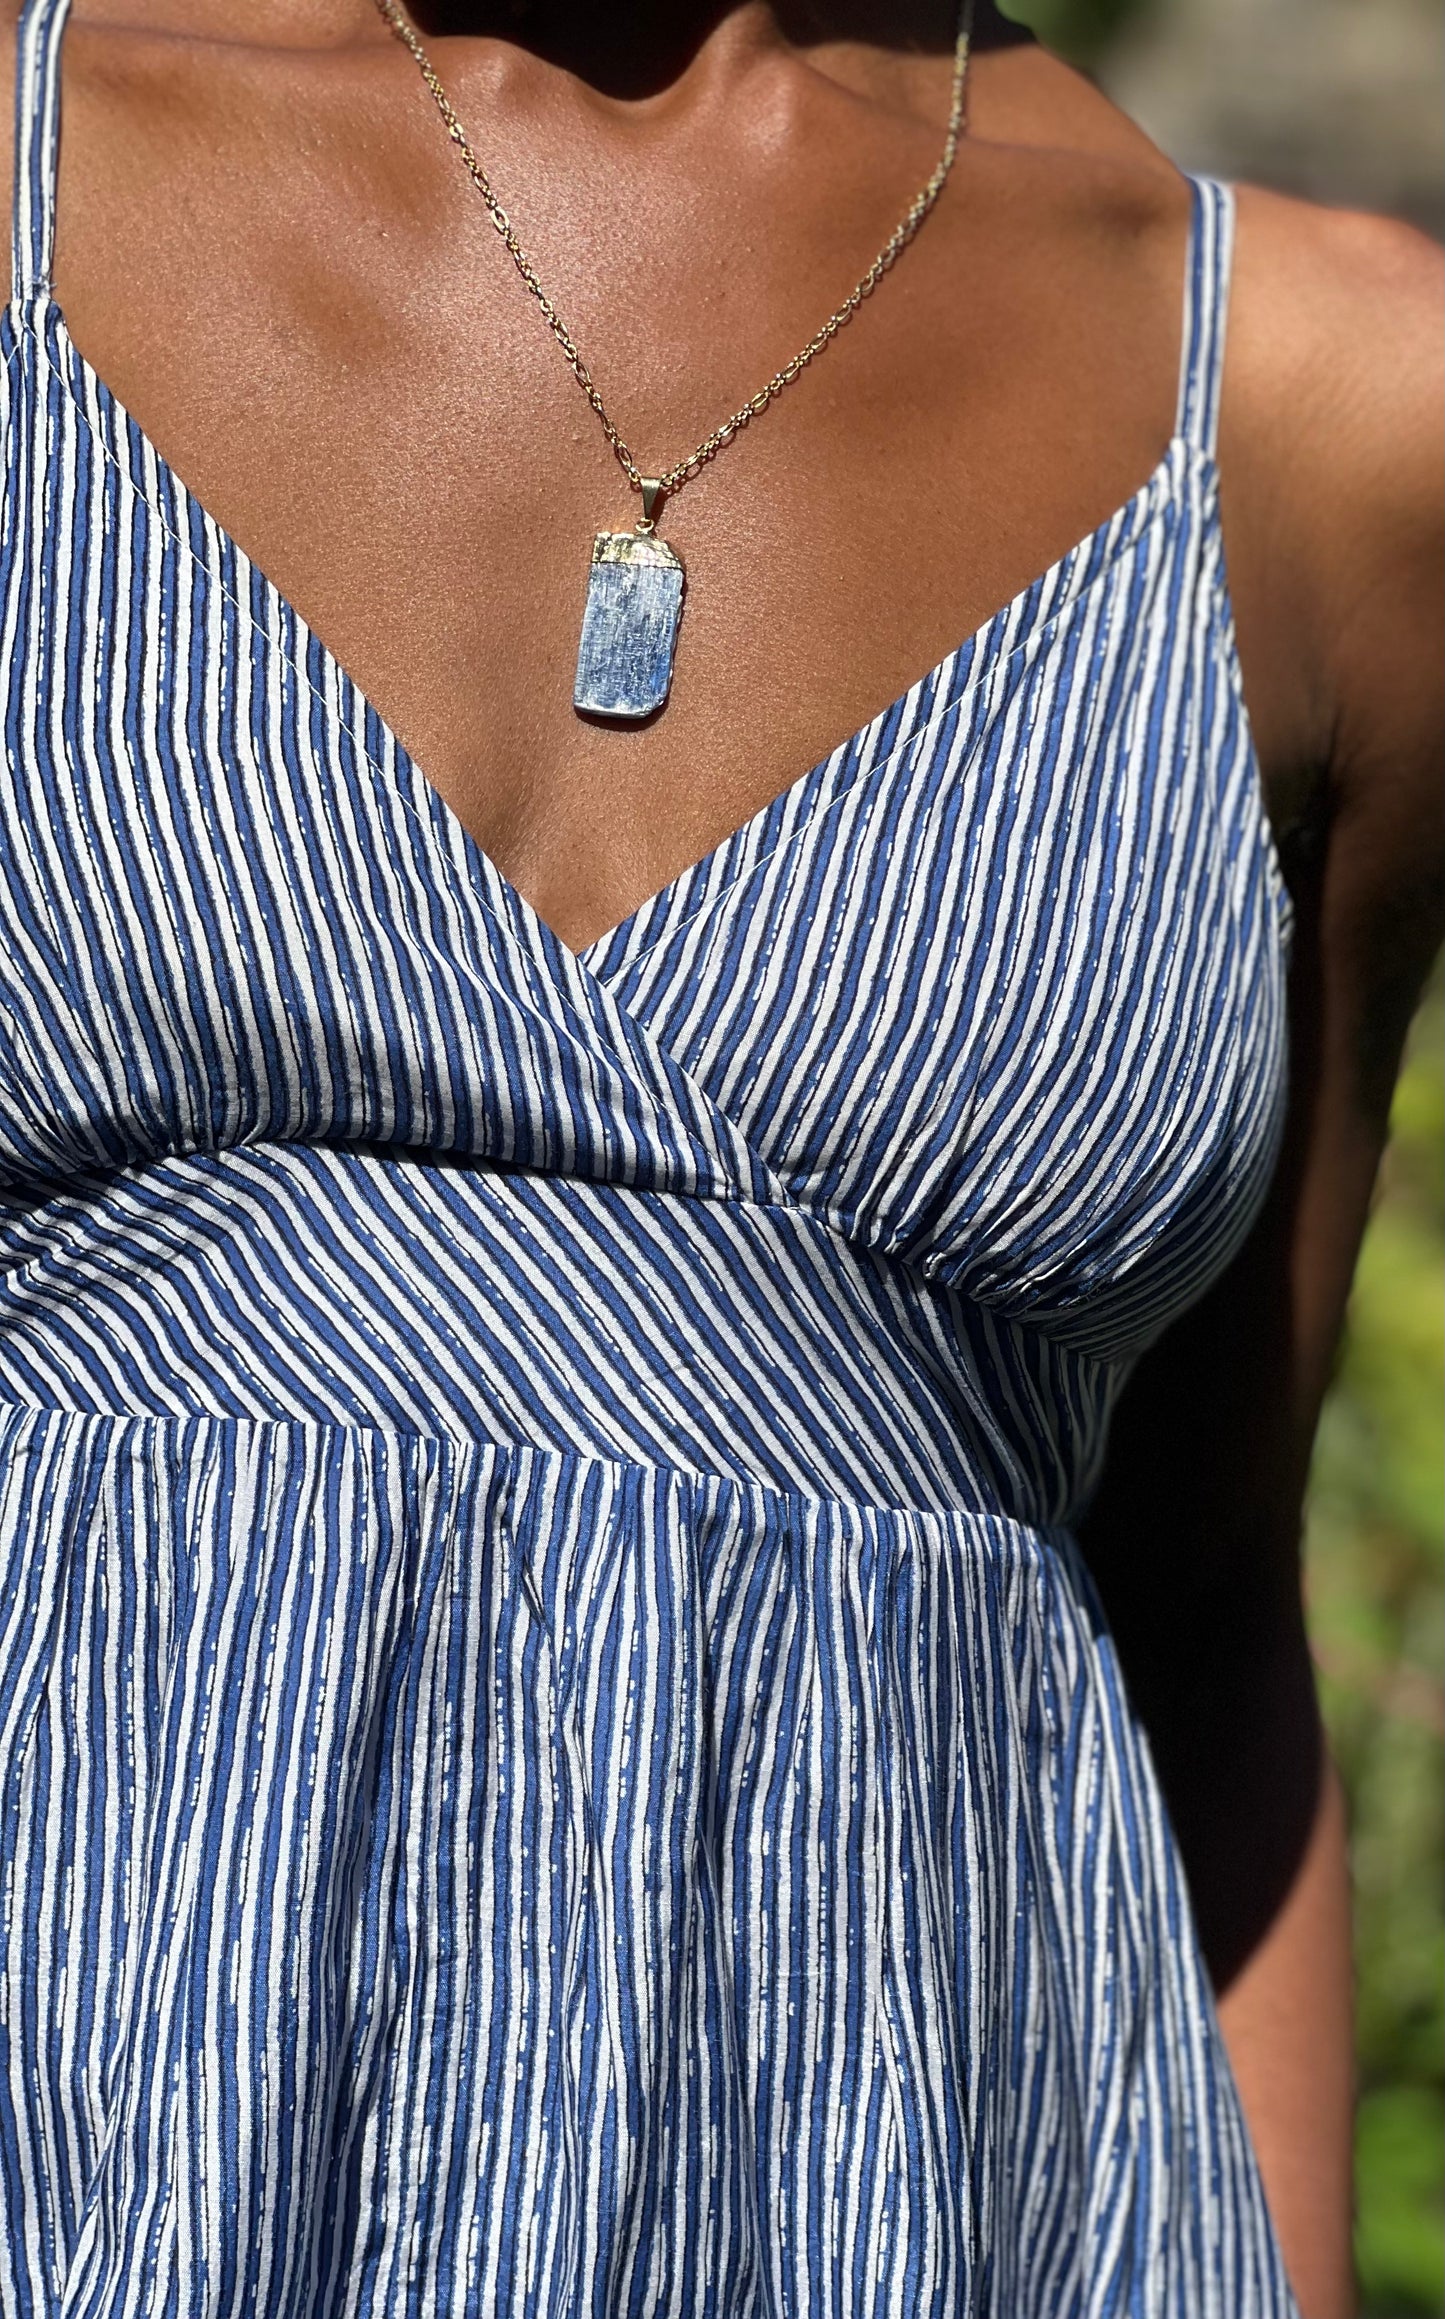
(1376, 1553)
(1080, 30)
(1400, 2156)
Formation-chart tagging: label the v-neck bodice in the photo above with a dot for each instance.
(557, 1747)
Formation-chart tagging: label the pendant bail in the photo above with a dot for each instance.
(653, 494)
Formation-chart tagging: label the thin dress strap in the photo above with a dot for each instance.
(37, 143)
(1206, 311)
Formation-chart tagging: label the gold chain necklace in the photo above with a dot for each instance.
(634, 595)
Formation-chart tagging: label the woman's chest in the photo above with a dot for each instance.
(995, 990)
(318, 328)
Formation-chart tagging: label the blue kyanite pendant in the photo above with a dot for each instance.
(629, 630)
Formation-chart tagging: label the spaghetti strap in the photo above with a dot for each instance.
(37, 144)
(1206, 311)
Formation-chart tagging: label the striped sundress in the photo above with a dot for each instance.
(556, 1752)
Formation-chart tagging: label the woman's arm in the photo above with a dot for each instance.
(1287, 2018)
(1195, 1533)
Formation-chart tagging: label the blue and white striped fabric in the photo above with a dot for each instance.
(556, 1754)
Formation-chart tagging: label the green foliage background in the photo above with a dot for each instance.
(1376, 1576)
(1376, 1569)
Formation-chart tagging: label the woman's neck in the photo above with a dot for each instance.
(638, 48)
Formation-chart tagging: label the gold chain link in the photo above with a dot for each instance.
(888, 256)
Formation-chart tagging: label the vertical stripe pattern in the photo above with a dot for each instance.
(557, 1755)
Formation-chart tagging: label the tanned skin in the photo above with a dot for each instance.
(271, 254)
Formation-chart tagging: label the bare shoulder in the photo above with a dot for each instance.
(1335, 412)
(1332, 448)
(1336, 339)
(1335, 405)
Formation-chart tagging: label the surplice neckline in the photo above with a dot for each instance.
(797, 801)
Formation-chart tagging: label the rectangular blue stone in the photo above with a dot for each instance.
(629, 631)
